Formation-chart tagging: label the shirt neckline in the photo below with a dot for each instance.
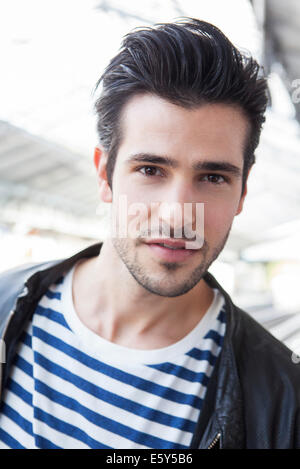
(103, 348)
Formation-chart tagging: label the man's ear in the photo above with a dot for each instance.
(100, 161)
(242, 199)
(241, 202)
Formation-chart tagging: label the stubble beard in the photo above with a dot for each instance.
(168, 287)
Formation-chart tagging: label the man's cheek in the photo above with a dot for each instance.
(215, 222)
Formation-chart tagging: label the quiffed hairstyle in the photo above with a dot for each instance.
(189, 63)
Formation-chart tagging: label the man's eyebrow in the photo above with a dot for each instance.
(218, 166)
(197, 166)
(151, 158)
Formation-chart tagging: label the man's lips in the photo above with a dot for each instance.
(169, 242)
(159, 249)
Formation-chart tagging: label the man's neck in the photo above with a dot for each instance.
(110, 302)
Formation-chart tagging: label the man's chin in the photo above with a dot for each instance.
(162, 286)
(169, 292)
(158, 276)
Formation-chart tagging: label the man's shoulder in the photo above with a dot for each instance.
(261, 353)
(12, 284)
(256, 350)
(13, 281)
(17, 276)
(269, 379)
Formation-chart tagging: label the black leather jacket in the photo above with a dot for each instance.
(253, 396)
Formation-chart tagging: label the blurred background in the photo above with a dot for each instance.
(52, 54)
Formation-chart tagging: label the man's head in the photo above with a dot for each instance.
(188, 63)
(179, 118)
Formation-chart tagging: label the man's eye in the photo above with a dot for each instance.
(214, 178)
(148, 170)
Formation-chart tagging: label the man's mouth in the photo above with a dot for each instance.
(168, 243)
(168, 246)
(170, 250)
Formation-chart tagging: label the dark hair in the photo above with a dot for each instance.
(189, 63)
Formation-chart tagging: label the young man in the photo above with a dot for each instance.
(132, 343)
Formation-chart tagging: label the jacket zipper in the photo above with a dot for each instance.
(215, 441)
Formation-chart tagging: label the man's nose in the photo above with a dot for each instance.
(178, 208)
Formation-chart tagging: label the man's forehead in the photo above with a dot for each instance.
(146, 105)
(153, 125)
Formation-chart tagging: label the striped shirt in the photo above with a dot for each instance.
(71, 388)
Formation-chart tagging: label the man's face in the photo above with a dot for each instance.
(211, 134)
